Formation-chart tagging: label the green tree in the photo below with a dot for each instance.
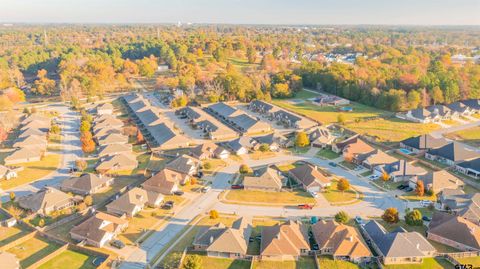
(12, 196)
(414, 218)
(342, 217)
(414, 99)
(437, 95)
(41, 222)
(391, 215)
(302, 140)
(207, 165)
(251, 55)
(244, 169)
(219, 55)
(55, 129)
(264, 147)
(343, 185)
(193, 262)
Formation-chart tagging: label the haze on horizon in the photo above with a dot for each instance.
(384, 12)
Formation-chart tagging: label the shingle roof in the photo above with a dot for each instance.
(455, 228)
(24, 153)
(242, 141)
(118, 162)
(165, 137)
(441, 180)
(472, 103)
(308, 175)
(86, 182)
(473, 164)
(439, 109)
(224, 109)
(128, 201)
(455, 152)
(458, 107)
(266, 177)
(97, 226)
(427, 141)
(165, 180)
(421, 113)
(45, 198)
(183, 164)
(285, 239)
(114, 149)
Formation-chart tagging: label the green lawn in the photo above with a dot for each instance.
(428, 263)
(69, 260)
(470, 136)
(221, 263)
(333, 195)
(215, 164)
(302, 263)
(280, 198)
(348, 165)
(327, 262)
(474, 261)
(32, 250)
(327, 154)
(297, 150)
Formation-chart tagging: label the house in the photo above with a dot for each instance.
(200, 119)
(43, 126)
(248, 125)
(438, 181)
(105, 109)
(46, 200)
(422, 115)
(402, 171)
(444, 112)
(451, 154)
(461, 204)
(114, 149)
(7, 173)
(330, 100)
(184, 164)
(473, 104)
(398, 246)
(284, 242)
(225, 242)
(262, 107)
(308, 176)
(35, 117)
(358, 151)
(242, 145)
(320, 137)
(86, 184)
(134, 201)
(31, 141)
(110, 139)
(99, 229)
(291, 120)
(273, 140)
(9, 260)
(107, 121)
(460, 108)
(223, 110)
(469, 168)
(163, 137)
(378, 158)
(117, 163)
(221, 153)
(32, 132)
(106, 131)
(166, 181)
(204, 151)
(420, 144)
(24, 155)
(264, 179)
(454, 231)
(338, 147)
(341, 241)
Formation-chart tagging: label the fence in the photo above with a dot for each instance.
(48, 257)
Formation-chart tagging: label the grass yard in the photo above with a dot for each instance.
(156, 163)
(118, 183)
(428, 263)
(451, 122)
(303, 263)
(286, 167)
(143, 160)
(221, 263)
(280, 198)
(469, 136)
(69, 260)
(328, 262)
(297, 150)
(10, 234)
(392, 129)
(333, 195)
(412, 196)
(348, 165)
(327, 154)
(215, 164)
(33, 250)
(259, 155)
(33, 171)
(474, 261)
(63, 231)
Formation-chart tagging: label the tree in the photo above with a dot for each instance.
(42, 84)
(193, 262)
(41, 222)
(147, 66)
(213, 214)
(341, 119)
(414, 99)
(219, 55)
(12, 196)
(414, 218)
(302, 140)
(391, 215)
(244, 169)
(437, 95)
(88, 200)
(343, 185)
(140, 138)
(342, 217)
(85, 126)
(14, 211)
(264, 147)
(180, 101)
(88, 145)
(81, 164)
(281, 90)
(207, 165)
(55, 129)
(385, 177)
(420, 188)
(251, 55)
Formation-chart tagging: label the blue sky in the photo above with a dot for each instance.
(429, 12)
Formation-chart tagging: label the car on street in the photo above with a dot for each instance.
(305, 206)
(332, 164)
(179, 193)
(425, 203)
(358, 220)
(373, 177)
(313, 194)
(237, 187)
(206, 189)
(425, 218)
(117, 243)
(168, 205)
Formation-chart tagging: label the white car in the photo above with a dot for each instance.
(425, 203)
(313, 194)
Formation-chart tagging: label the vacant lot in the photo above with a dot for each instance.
(33, 171)
(33, 250)
(280, 198)
(470, 136)
(69, 260)
(428, 263)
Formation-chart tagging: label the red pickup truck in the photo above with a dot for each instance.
(305, 206)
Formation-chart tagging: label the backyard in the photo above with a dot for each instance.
(221, 263)
(118, 183)
(10, 234)
(327, 154)
(327, 262)
(428, 263)
(303, 263)
(33, 250)
(69, 260)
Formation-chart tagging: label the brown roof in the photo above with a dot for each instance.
(308, 175)
(114, 149)
(165, 180)
(285, 239)
(344, 240)
(357, 147)
(380, 157)
(113, 138)
(455, 228)
(24, 153)
(30, 141)
(85, 183)
(128, 201)
(184, 164)
(207, 148)
(441, 180)
(95, 227)
(119, 162)
(46, 198)
(266, 177)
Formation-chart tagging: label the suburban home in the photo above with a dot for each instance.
(444, 112)
(473, 104)
(358, 151)
(114, 149)
(320, 137)
(284, 242)
(469, 168)
(99, 229)
(330, 100)
(438, 181)
(99, 133)
(105, 109)
(31, 141)
(37, 124)
(222, 241)
(9, 260)
(378, 158)
(463, 205)
(242, 145)
(107, 122)
(32, 131)
(200, 119)
(422, 115)
(338, 147)
(165, 182)
(7, 173)
(117, 163)
(163, 137)
(460, 108)
(291, 120)
(454, 231)
(420, 144)
(86, 184)
(401, 170)
(46, 200)
(308, 176)
(451, 154)
(398, 246)
(24, 155)
(263, 179)
(134, 201)
(110, 139)
(184, 164)
(262, 107)
(204, 151)
(35, 117)
(273, 140)
(341, 241)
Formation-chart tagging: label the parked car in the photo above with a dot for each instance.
(408, 189)
(401, 187)
(332, 164)
(168, 205)
(305, 206)
(373, 177)
(425, 203)
(117, 243)
(179, 193)
(358, 220)
(237, 187)
(206, 188)
(425, 218)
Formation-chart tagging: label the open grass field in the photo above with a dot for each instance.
(469, 136)
(333, 195)
(10, 234)
(280, 198)
(428, 263)
(33, 171)
(221, 263)
(303, 263)
(328, 262)
(33, 250)
(69, 260)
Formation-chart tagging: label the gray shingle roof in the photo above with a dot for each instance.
(455, 152)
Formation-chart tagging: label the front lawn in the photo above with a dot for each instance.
(428, 263)
(333, 195)
(348, 165)
(33, 171)
(259, 155)
(33, 250)
(280, 198)
(327, 154)
(215, 164)
(328, 262)
(69, 260)
(221, 263)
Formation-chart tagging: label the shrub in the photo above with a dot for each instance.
(264, 148)
(414, 218)
(244, 169)
(207, 165)
(342, 217)
(213, 214)
(391, 215)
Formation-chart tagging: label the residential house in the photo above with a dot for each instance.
(46, 200)
(107, 121)
(330, 100)
(357, 151)
(451, 154)
(99, 229)
(320, 137)
(110, 139)
(166, 181)
(469, 168)
(200, 119)
(184, 164)
(43, 126)
(134, 201)
(242, 145)
(163, 137)
(106, 131)
(444, 112)
(454, 231)
(461, 204)
(401, 171)
(284, 242)
(105, 109)
(338, 147)
(86, 184)
(221, 153)
(114, 149)
(117, 163)
(422, 115)
(341, 241)
(24, 155)
(473, 104)
(308, 176)
(7, 173)
(460, 108)
(35, 117)
(237, 119)
(9, 260)
(263, 179)
(291, 120)
(438, 181)
(204, 151)
(262, 107)
(420, 144)
(273, 140)
(32, 132)
(378, 158)
(31, 141)
(398, 246)
(222, 241)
